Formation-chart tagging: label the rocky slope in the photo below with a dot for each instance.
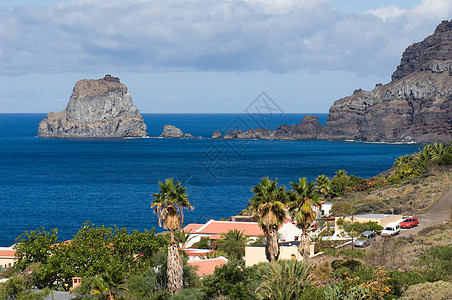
(99, 108)
(416, 106)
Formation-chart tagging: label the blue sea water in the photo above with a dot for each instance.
(61, 183)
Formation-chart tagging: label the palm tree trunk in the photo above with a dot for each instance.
(174, 267)
(304, 246)
(272, 246)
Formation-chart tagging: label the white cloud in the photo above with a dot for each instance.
(387, 12)
(224, 35)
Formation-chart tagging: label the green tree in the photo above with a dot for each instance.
(233, 244)
(323, 185)
(301, 198)
(34, 247)
(339, 183)
(169, 203)
(268, 204)
(286, 281)
(96, 250)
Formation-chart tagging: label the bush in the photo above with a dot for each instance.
(229, 280)
(429, 290)
(437, 262)
(19, 287)
(400, 281)
(349, 264)
(188, 294)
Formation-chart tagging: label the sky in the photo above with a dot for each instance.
(204, 56)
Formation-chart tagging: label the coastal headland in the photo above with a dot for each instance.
(416, 106)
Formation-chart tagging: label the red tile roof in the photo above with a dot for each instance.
(207, 266)
(7, 253)
(197, 252)
(219, 227)
(192, 227)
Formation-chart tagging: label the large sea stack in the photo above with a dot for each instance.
(416, 106)
(99, 108)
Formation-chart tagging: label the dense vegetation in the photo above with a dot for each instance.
(117, 264)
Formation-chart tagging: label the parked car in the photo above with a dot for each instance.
(365, 239)
(409, 222)
(391, 229)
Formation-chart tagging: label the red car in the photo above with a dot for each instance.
(409, 222)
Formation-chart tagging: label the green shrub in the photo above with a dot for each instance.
(229, 280)
(437, 263)
(401, 280)
(348, 264)
(286, 280)
(188, 294)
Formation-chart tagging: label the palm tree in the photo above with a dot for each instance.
(233, 243)
(268, 205)
(438, 150)
(169, 203)
(302, 196)
(286, 280)
(105, 286)
(425, 154)
(323, 185)
(183, 237)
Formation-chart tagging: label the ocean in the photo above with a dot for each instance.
(62, 183)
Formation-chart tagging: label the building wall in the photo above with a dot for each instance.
(6, 261)
(6, 256)
(255, 255)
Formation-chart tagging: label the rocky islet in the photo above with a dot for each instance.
(100, 108)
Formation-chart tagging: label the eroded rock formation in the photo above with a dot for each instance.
(99, 108)
(169, 131)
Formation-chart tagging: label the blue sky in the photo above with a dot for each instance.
(205, 56)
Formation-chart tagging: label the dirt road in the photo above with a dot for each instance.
(438, 213)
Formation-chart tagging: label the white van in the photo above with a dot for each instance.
(392, 228)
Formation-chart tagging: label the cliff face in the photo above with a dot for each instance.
(97, 109)
(415, 106)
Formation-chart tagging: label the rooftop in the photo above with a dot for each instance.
(219, 227)
(207, 266)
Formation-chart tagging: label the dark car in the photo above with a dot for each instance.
(365, 239)
(409, 222)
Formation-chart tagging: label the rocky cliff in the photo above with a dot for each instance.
(97, 109)
(416, 106)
